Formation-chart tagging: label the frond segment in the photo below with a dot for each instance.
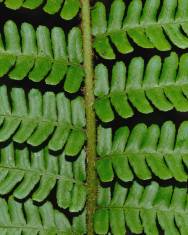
(27, 218)
(153, 24)
(24, 172)
(42, 55)
(158, 84)
(143, 151)
(142, 209)
(36, 118)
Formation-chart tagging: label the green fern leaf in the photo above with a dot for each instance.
(42, 117)
(26, 218)
(142, 152)
(141, 209)
(24, 172)
(162, 85)
(67, 9)
(107, 183)
(154, 24)
(42, 55)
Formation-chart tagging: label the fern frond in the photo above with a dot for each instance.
(42, 54)
(27, 218)
(159, 84)
(143, 151)
(142, 209)
(23, 172)
(154, 24)
(34, 118)
(67, 9)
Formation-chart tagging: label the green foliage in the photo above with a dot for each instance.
(67, 9)
(35, 118)
(159, 84)
(141, 209)
(24, 172)
(143, 151)
(27, 218)
(42, 134)
(42, 55)
(154, 24)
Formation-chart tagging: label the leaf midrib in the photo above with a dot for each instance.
(126, 91)
(42, 120)
(41, 229)
(35, 57)
(90, 115)
(153, 208)
(144, 154)
(42, 173)
(141, 26)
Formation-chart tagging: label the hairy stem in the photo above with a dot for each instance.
(90, 116)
